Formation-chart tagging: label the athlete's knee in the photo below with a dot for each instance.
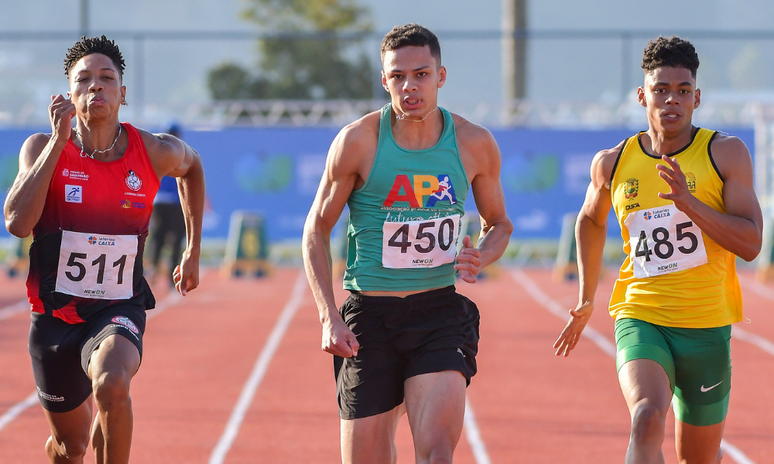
(71, 447)
(441, 455)
(111, 388)
(648, 421)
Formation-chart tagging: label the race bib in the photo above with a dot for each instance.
(420, 244)
(664, 240)
(97, 266)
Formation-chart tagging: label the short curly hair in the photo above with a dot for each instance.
(409, 35)
(670, 51)
(89, 45)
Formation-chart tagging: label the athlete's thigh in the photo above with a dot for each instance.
(435, 404)
(698, 444)
(115, 341)
(370, 440)
(645, 381)
(645, 364)
(71, 428)
(116, 354)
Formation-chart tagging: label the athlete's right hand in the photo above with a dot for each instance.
(569, 337)
(61, 112)
(338, 339)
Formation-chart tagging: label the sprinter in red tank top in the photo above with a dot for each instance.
(86, 194)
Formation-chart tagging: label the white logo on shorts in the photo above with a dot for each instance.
(126, 322)
(50, 397)
(460, 352)
(706, 389)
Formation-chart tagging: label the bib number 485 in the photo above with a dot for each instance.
(662, 246)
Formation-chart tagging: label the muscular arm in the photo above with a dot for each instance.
(590, 236)
(739, 229)
(173, 157)
(483, 158)
(37, 160)
(338, 182)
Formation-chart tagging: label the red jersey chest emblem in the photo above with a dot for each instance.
(133, 181)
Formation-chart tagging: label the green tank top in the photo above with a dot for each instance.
(404, 221)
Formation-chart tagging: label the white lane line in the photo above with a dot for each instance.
(757, 340)
(735, 453)
(259, 370)
(14, 309)
(474, 436)
(607, 346)
(17, 409)
(758, 288)
(560, 311)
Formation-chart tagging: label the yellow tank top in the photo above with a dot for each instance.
(673, 275)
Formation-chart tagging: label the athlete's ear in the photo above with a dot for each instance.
(641, 97)
(441, 76)
(697, 98)
(384, 81)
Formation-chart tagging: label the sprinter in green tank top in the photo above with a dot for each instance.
(405, 171)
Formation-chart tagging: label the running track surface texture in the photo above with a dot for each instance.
(233, 373)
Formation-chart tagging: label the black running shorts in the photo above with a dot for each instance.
(433, 331)
(61, 352)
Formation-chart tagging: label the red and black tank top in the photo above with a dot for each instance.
(95, 211)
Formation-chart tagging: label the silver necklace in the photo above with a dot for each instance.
(402, 117)
(84, 154)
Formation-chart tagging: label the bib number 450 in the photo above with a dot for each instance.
(420, 244)
(401, 239)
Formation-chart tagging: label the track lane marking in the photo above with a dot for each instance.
(600, 340)
(14, 309)
(17, 409)
(259, 370)
(473, 435)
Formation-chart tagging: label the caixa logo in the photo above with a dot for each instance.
(102, 241)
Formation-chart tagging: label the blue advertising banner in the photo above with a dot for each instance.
(275, 171)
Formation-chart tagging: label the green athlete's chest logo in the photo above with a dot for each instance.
(434, 188)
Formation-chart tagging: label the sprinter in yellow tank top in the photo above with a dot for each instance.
(685, 201)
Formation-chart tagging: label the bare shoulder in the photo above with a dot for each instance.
(471, 135)
(478, 149)
(166, 152)
(604, 162)
(33, 147)
(361, 134)
(160, 144)
(730, 154)
(355, 143)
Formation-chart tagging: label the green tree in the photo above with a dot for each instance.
(313, 52)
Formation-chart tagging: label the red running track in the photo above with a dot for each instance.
(529, 406)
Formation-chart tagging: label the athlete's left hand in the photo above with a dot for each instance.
(468, 261)
(186, 274)
(675, 178)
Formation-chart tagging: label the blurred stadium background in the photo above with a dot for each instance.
(261, 87)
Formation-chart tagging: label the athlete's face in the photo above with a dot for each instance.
(670, 96)
(95, 86)
(413, 76)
